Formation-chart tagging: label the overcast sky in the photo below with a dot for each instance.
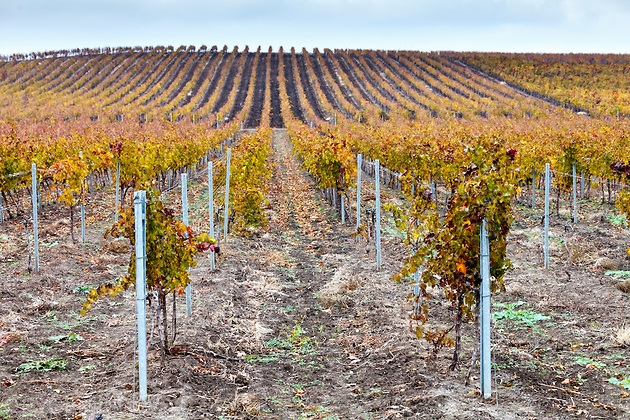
(601, 26)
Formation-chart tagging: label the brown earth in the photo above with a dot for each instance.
(297, 323)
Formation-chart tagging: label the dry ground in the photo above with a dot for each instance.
(296, 323)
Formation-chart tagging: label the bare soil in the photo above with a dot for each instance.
(297, 323)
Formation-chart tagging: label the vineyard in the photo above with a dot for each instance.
(314, 234)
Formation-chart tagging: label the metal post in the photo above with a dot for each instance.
(377, 227)
(416, 292)
(359, 164)
(575, 211)
(82, 223)
(546, 234)
(227, 194)
(534, 188)
(485, 360)
(343, 210)
(35, 221)
(140, 215)
(582, 185)
(117, 191)
(1, 210)
(185, 221)
(211, 208)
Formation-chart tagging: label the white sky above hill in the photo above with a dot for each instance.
(598, 26)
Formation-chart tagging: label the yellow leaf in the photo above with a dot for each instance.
(461, 267)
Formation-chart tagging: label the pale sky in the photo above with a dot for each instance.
(597, 26)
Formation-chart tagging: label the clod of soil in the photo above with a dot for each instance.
(624, 286)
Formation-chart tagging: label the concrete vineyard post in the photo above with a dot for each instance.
(343, 210)
(226, 213)
(359, 164)
(485, 360)
(185, 221)
(83, 207)
(140, 215)
(117, 191)
(546, 233)
(534, 188)
(377, 224)
(82, 223)
(211, 208)
(575, 210)
(35, 221)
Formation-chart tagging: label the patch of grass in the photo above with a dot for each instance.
(523, 316)
(43, 365)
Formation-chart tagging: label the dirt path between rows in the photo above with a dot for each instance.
(296, 323)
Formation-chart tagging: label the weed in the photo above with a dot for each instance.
(273, 400)
(624, 382)
(618, 220)
(589, 363)
(4, 411)
(43, 365)
(86, 368)
(288, 309)
(524, 316)
(84, 288)
(617, 273)
(254, 358)
(69, 338)
(76, 320)
(279, 344)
